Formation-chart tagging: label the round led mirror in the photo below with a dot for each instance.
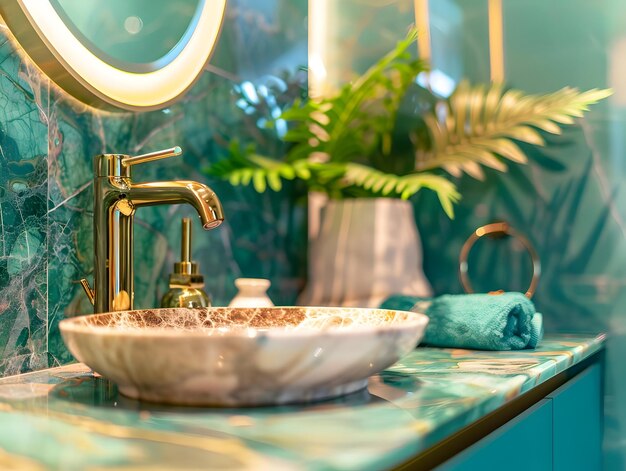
(130, 54)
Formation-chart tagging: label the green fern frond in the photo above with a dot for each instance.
(405, 186)
(477, 126)
(358, 120)
(244, 167)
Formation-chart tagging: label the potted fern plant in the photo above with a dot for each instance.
(346, 146)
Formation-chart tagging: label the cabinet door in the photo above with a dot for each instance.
(524, 443)
(577, 411)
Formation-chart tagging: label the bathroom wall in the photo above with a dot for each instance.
(569, 201)
(47, 142)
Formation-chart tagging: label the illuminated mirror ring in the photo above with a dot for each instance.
(48, 40)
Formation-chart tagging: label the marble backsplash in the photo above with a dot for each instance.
(47, 142)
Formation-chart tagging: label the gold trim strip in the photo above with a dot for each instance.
(422, 22)
(319, 34)
(496, 41)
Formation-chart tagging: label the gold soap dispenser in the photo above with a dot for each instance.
(186, 284)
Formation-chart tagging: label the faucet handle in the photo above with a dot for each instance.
(159, 154)
(88, 291)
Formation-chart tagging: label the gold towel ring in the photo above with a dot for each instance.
(501, 229)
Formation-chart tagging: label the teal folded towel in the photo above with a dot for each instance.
(506, 321)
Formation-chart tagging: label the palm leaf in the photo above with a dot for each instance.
(478, 126)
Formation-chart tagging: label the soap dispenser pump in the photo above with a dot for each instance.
(186, 284)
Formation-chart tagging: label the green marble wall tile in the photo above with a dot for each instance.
(48, 142)
(23, 226)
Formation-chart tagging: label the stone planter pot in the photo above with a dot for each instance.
(364, 250)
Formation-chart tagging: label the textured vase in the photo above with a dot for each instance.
(365, 250)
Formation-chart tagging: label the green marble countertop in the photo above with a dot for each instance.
(67, 418)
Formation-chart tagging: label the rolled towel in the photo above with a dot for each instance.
(505, 321)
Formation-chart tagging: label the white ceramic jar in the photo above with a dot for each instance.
(252, 293)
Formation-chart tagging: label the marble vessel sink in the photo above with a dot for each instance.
(242, 356)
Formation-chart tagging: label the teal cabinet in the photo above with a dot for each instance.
(561, 432)
(523, 444)
(577, 419)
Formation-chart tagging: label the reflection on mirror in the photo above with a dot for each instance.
(133, 35)
(133, 54)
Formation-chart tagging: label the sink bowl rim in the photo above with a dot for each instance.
(79, 325)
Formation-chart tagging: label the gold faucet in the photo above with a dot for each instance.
(116, 198)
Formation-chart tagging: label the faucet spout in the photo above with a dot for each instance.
(198, 195)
